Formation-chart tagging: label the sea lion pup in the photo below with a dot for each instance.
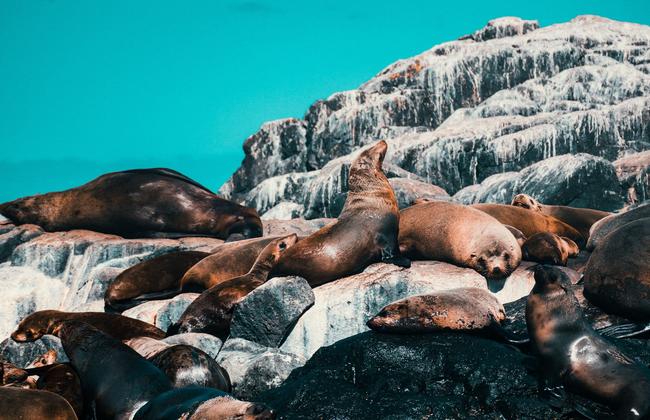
(155, 202)
(530, 222)
(519, 235)
(229, 260)
(47, 358)
(50, 321)
(157, 278)
(16, 403)
(211, 312)
(364, 233)
(572, 354)
(580, 218)
(61, 379)
(458, 234)
(548, 248)
(201, 403)
(617, 275)
(607, 225)
(184, 365)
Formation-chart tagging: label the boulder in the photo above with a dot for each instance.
(267, 314)
(206, 342)
(633, 171)
(254, 368)
(407, 190)
(343, 307)
(284, 210)
(22, 354)
(162, 313)
(14, 236)
(301, 227)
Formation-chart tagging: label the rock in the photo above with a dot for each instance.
(206, 342)
(343, 307)
(504, 27)
(579, 180)
(284, 210)
(633, 172)
(254, 368)
(267, 314)
(162, 313)
(301, 227)
(15, 236)
(407, 190)
(431, 376)
(22, 354)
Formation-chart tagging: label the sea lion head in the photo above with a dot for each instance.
(47, 358)
(226, 407)
(527, 202)
(245, 225)
(496, 261)
(366, 171)
(393, 317)
(36, 326)
(550, 278)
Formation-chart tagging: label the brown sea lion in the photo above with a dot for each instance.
(47, 358)
(580, 218)
(607, 225)
(48, 321)
(617, 275)
(467, 308)
(138, 203)
(16, 403)
(460, 235)
(61, 379)
(201, 404)
(549, 248)
(530, 222)
(232, 259)
(12, 375)
(365, 231)
(572, 354)
(519, 235)
(211, 312)
(184, 365)
(157, 278)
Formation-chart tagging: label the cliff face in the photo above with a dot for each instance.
(499, 100)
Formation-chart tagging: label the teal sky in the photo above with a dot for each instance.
(88, 87)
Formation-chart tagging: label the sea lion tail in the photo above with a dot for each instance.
(509, 337)
(624, 330)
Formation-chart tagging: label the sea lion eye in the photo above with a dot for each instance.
(283, 246)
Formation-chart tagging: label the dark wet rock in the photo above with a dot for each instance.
(22, 354)
(267, 314)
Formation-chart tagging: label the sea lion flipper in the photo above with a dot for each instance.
(390, 252)
(624, 330)
(508, 337)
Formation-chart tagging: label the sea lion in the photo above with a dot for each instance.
(157, 278)
(113, 376)
(49, 321)
(572, 354)
(580, 218)
(184, 365)
(530, 222)
(227, 261)
(211, 312)
(16, 403)
(607, 225)
(466, 308)
(201, 403)
(47, 358)
(365, 231)
(12, 375)
(460, 235)
(548, 248)
(155, 202)
(61, 379)
(617, 275)
(519, 235)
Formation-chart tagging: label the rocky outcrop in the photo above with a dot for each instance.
(508, 96)
(12, 236)
(633, 172)
(22, 354)
(579, 180)
(162, 313)
(267, 314)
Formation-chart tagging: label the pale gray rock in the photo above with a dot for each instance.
(206, 342)
(633, 171)
(301, 227)
(407, 190)
(162, 313)
(284, 210)
(12, 236)
(22, 354)
(267, 314)
(503, 27)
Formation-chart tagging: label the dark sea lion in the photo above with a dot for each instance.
(113, 376)
(201, 404)
(530, 222)
(617, 275)
(458, 234)
(48, 321)
(27, 404)
(184, 365)
(572, 354)
(607, 225)
(211, 312)
(61, 379)
(229, 260)
(519, 235)
(138, 203)
(365, 232)
(549, 248)
(157, 278)
(580, 218)
(12, 375)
